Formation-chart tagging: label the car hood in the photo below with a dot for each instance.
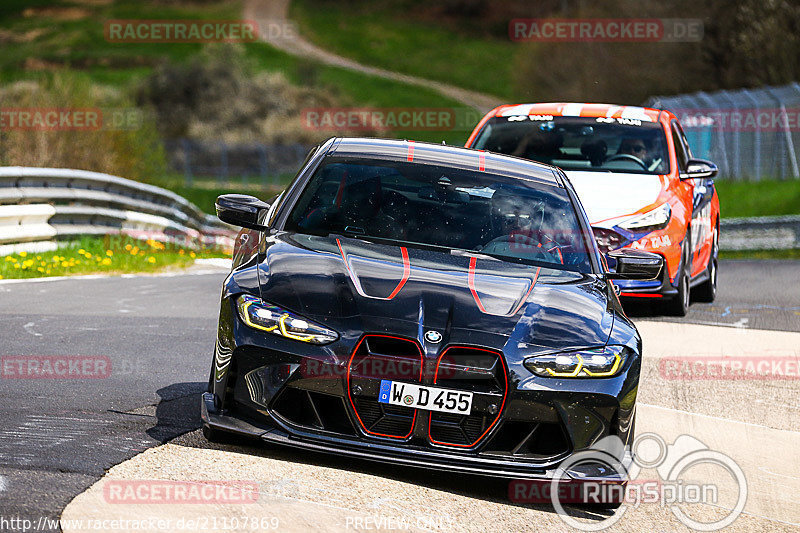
(610, 195)
(354, 287)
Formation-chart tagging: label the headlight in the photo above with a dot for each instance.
(590, 363)
(654, 219)
(258, 314)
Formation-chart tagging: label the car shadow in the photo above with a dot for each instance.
(178, 410)
(643, 308)
(177, 425)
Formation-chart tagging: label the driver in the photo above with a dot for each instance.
(516, 223)
(634, 146)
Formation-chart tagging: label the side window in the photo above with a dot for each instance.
(682, 137)
(680, 147)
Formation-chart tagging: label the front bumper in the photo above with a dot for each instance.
(376, 452)
(657, 288)
(290, 393)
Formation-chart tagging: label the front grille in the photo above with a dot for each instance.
(477, 370)
(378, 357)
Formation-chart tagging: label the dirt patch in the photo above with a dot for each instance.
(58, 13)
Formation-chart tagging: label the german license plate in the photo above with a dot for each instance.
(423, 397)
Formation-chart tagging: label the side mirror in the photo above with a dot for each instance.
(699, 168)
(242, 210)
(636, 264)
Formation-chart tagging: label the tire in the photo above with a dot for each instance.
(679, 305)
(707, 292)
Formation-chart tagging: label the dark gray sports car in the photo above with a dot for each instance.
(424, 305)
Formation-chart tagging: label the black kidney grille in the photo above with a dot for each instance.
(471, 369)
(379, 357)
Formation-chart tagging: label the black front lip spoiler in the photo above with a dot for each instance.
(377, 452)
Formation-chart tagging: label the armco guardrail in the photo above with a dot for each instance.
(760, 233)
(41, 205)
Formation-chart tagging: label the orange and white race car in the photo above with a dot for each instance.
(637, 180)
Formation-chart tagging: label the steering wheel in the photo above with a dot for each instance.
(627, 157)
(499, 245)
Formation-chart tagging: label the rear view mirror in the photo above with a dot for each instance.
(242, 210)
(635, 264)
(700, 168)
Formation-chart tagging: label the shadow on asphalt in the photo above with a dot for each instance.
(643, 308)
(178, 412)
(472, 486)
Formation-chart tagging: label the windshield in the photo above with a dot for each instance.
(455, 209)
(580, 143)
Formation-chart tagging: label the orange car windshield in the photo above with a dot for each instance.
(598, 144)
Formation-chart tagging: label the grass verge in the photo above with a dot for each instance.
(758, 198)
(386, 34)
(760, 254)
(108, 255)
(43, 37)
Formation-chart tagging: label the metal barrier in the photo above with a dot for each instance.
(752, 134)
(39, 206)
(760, 233)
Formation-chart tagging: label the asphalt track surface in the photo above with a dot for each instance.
(58, 437)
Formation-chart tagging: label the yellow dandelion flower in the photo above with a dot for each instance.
(107, 261)
(40, 269)
(192, 255)
(128, 246)
(81, 251)
(151, 259)
(23, 254)
(109, 253)
(16, 265)
(88, 255)
(65, 264)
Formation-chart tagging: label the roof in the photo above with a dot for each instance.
(444, 155)
(567, 109)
